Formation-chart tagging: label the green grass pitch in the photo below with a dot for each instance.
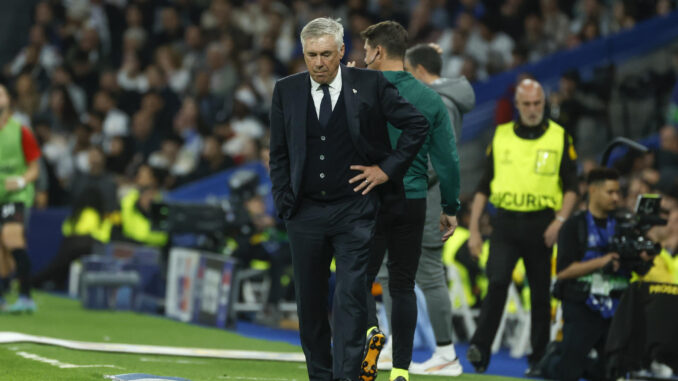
(66, 319)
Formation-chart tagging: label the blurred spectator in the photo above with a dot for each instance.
(664, 7)
(667, 156)
(469, 69)
(243, 124)
(58, 161)
(212, 159)
(512, 13)
(210, 106)
(489, 38)
(44, 17)
(26, 100)
(672, 112)
(472, 7)
(556, 23)
(86, 59)
(96, 176)
(170, 31)
(590, 31)
(130, 76)
(535, 38)
(591, 12)
(119, 156)
(223, 76)
(157, 82)
(115, 122)
(146, 140)
(169, 60)
(60, 113)
(621, 19)
(264, 80)
(61, 76)
(194, 49)
(567, 107)
(454, 47)
(46, 56)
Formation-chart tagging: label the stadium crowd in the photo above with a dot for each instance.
(185, 86)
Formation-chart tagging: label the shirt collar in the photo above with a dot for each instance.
(333, 85)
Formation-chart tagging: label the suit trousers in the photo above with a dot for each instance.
(319, 231)
(517, 235)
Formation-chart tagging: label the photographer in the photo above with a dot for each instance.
(591, 279)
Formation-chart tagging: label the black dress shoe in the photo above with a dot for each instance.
(478, 358)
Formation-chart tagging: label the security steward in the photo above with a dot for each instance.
(531, 179)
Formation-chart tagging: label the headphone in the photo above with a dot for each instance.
(373, 59)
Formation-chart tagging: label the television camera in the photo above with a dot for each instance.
(216, 218)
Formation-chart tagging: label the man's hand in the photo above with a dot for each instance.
(607, 258)
(447, 225)
(475, 243)
(369, 178)
(350, 64)
(551, 233)
(14, 183)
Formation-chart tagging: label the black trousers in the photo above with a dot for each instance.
(317, 232)
(57, 272)
(401, 235)
(517, 235)
(583, 330)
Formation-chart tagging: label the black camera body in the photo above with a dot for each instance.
(629, 239)
(227, 217)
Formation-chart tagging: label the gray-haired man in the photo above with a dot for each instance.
(330, 149)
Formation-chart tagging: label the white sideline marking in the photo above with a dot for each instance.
(255, 378)
(148, 359)
(59, 364)
(13, 337)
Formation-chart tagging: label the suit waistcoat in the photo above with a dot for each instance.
(329, 154)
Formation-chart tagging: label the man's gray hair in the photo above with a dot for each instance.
(323, 26)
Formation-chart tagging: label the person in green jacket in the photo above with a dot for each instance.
(19, 168)
(401, 234)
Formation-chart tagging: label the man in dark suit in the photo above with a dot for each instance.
(330, 149)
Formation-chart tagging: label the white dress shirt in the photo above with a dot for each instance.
(317, 92)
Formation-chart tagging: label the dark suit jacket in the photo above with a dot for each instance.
(371, 101)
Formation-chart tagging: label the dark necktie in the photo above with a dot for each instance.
(325, 106)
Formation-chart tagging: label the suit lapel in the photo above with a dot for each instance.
(352, 103)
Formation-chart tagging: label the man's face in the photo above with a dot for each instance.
(530, 104)
(605, 195)
(371, 55)
(322, 58)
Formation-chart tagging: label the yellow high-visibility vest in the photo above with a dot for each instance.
(136, 226)
(663, 270)
(88, 223)
(527, 171)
